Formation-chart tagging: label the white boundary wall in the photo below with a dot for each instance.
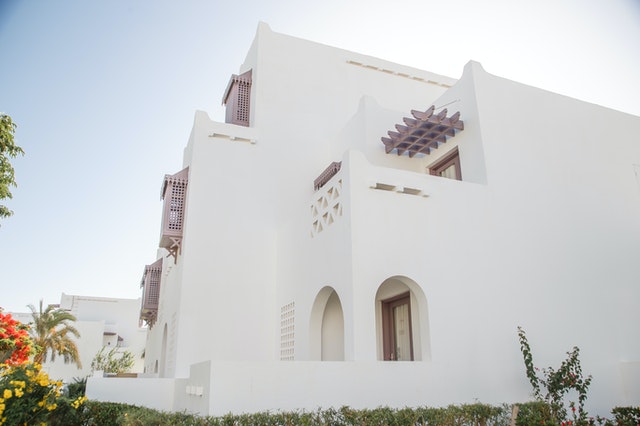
(150, 392)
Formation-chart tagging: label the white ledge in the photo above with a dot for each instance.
(397, 73)
(232, 137)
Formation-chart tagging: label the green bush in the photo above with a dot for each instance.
(77, 388)
(552, 385)
(66, 414)
(105, 413)
(536, 413)
(113, 361)
(626, 416)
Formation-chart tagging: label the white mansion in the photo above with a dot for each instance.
(364, 233)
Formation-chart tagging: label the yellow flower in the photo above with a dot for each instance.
(78, 402)
(18, 392)
(18, 383)
(42, 380)
(7, 394)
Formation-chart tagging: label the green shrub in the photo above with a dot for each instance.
(626, 416)
(113, 361)
(552, 386)
(67, 414)
(77, 388)
(534, 413)
(104, 413)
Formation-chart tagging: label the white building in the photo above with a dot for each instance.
(319, 224)
(102, 323)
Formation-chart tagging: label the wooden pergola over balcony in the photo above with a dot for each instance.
(422, 133)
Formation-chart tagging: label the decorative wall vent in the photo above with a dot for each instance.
(327, 174)
(150, 285)
(237, 98)
(326, 208)
(287, 331)
(174, 193)
(422, 133)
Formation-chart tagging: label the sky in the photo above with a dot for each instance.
(104, 94)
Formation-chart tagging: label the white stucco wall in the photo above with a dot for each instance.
(542, 232)
(154, 393)
(96, 316)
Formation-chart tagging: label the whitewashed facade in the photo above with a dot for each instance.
(103, 322)
(384, 284)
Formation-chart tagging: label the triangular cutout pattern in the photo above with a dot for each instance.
(326, 208)
(337, 210)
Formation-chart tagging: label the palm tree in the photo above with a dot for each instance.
(51, 332)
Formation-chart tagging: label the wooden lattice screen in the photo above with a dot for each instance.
(237, 98)
(151, 291)
(174, 193)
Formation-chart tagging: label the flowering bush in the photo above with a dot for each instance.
(558, 383)
(15, 344)
(27, 395)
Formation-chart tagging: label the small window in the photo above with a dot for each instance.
(448, 167)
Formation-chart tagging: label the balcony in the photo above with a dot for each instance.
(174, 194)
(326, 204)
(326, 175)
(237, 98)
(150, 285)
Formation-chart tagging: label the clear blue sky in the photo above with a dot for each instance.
(104, 93)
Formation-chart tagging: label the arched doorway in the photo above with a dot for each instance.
(327, 327)
(402, 321)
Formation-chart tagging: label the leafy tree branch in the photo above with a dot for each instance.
(8, 150)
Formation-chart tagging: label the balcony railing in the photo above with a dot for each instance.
(326, 175)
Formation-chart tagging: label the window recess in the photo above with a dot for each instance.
(448, 166)
(397, 328)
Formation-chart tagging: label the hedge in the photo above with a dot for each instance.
(530, 413)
